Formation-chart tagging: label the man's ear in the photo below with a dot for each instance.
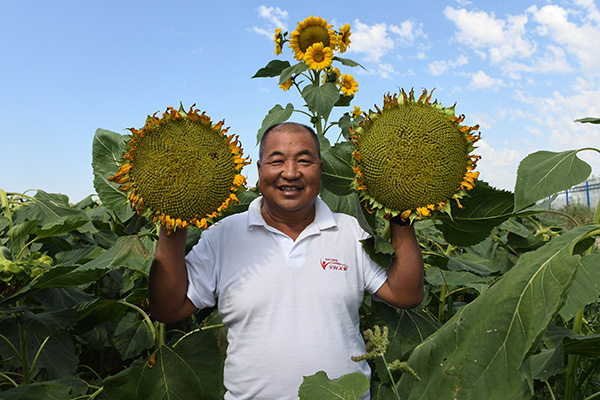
(258, 166)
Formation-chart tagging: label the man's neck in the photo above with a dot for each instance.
(290, 223)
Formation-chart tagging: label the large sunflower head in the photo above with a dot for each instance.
(318, 57)
(312, 30)
(413, 156)
(181, 169)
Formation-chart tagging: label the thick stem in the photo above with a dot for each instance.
(24, 358)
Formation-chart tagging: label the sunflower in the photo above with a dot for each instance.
(312, 30)
(331, 75)
(348, 85)
(413, 156)
(286, 85)
(278, 41)
(181, 169)
(343, 39)
(357, 112)
(318, 57)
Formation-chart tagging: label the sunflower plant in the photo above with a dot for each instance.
(315, 46)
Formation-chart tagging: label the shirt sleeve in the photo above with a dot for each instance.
(202, 274)
(375, 275)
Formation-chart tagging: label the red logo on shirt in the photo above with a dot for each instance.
(333, 264)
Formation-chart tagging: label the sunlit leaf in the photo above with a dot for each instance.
(483, 209)
(273, 68)
(321, 98)
(276, 115)
(337, 173)
(544, 173)
(347, 387)
(489, 339)
(586, 286)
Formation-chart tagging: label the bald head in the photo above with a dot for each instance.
(288, 127)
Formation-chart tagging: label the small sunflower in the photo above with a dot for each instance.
(181, 169)
(413, 156)
(310, 31)
(318, 57)
(348, 85)
(356, 112)
(286, 85)
(343, 40)
(331, 75)
(278, 41)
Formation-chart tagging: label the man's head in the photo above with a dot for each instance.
(289, 169)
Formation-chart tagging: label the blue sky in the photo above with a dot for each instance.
(522, 70)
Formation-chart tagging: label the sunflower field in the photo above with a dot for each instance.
(512, 295)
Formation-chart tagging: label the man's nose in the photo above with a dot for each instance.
(290, 170)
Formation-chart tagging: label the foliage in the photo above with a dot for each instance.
(511, 307)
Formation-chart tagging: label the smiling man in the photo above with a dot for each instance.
(288, 276)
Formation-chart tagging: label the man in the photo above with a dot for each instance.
(288, 276)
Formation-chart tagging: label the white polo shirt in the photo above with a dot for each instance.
(291, 307)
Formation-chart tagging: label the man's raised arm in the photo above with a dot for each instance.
(168, 279)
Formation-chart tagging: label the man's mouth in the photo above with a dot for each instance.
(289, 188)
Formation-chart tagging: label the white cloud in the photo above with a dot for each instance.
(583, 40)
(373, 41)
(481, 80)
(500, 39)
(275, 17)
(437, 68)
(498, 167)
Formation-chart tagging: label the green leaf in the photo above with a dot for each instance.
(347, 387)
(292, 70)
(484, 208)
(337, 175)
(48, 208)
(489, 340)
(340, 204)
(24, 229)
(58, 355)
(107, 154)
(586, 286)
(547, 363)
(192, 370)
(321, 98)
(47, 323)
(590, 120)
(128, 252)
(99, 311)
(132, 336)
(60, 389)
(64, 224)
(544, 173)
(461, 264)
(275, 116)
(273, 68)
(583, 345)
(347, 62)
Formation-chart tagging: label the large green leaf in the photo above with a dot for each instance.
(321, 98)
(347, 387)
(48, 208)
(107, 153)
(484, 208)
(346, 204)
(586, 286)
(273, 68)
(544, 173)
(99, 311)
(192, 370)
(337, 173)
(489, 339)
(22, 229)
(132, 336)
(276, 115)
(127, 252)
(60, 389)
(291, 71)
(583, 345)
(64, 224)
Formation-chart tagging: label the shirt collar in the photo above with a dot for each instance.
(324, 218)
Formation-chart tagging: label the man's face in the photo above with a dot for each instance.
(289, 174)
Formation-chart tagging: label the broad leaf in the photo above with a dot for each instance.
(321, 98)
(60, 389)
(547, 363)
(544, 173)
(275, 116)
(48, 208)
(47, 323)
(107, 153)
(64, 224)
(586, 286)
(58, 355)
(291, 71)
(583, 345)
(483, 209)
(319, 386)
(337, 173)
(590, 120)
(347, 62)
(128, 252)
(489, 339)
(340, 204)
(132, 336)
(24, 229)
(192, 370)
(273, 68)
(98, 312)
